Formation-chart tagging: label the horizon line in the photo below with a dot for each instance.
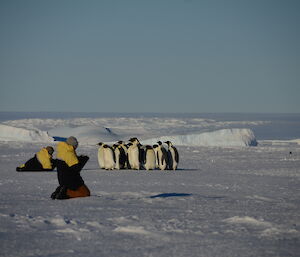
(99, 112)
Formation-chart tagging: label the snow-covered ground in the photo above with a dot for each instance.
(228, 197)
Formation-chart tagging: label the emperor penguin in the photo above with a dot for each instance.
(109, 157)
(123, 145)
(120, 156)
(162, 156)
(173, 156)
(155, 148)
(142, 155)
(101, 156)
(134, 154)
(128, 163)
(125, 149)
(149, 158)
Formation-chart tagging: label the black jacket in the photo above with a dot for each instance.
(70, 176)
(33, 164)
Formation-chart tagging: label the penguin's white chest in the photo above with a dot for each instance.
(109, 161)
(150, 162)
(133, 156)
(101, 158)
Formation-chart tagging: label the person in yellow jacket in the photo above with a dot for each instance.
(69, 165)
(42, 161)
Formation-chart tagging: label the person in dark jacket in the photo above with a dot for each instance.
(69, 165)
(42, 161)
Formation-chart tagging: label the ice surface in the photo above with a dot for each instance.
(222, 201)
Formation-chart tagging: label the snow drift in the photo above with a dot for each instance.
(9, 133)
(223, 137)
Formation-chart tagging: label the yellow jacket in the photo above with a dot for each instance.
(44, 158)
(67, 154)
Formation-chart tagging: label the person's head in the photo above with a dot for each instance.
(72, 141)
(50, 150)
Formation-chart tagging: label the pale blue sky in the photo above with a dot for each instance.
(150, 56)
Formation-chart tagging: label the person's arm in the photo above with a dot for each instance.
(82, 161)
(54, 163)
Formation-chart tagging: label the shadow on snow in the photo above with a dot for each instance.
(165, 195)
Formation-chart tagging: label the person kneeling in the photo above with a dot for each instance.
(69, 165)
(42, 161)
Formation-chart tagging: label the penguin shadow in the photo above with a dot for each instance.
(167, 195)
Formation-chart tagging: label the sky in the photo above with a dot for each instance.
(179, 56)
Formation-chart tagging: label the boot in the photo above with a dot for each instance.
(62, 194)
(55, 193)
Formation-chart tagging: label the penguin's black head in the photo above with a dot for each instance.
(129, 144)
(167, 142)
(134, 139)
(155, 146)
(100, 144)
(159, 142)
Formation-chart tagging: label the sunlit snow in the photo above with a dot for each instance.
(227, 198)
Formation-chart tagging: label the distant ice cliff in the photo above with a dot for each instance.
(223, 137)
(95, 134)
(9, 133)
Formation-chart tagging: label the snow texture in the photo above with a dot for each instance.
(222, 201)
